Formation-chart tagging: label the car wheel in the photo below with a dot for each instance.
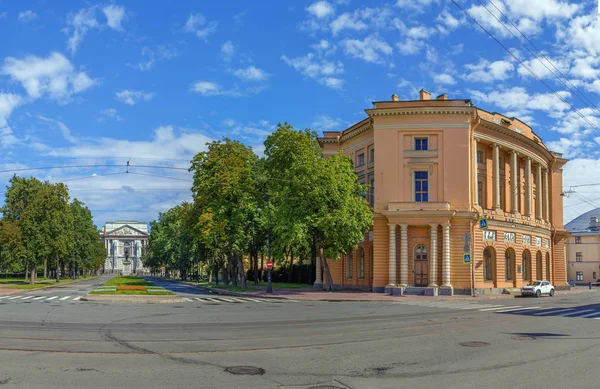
(538, 293)
(551, 292)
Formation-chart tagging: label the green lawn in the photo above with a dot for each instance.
(128, 280)
(39, 283)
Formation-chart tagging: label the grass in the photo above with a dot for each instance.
(286, 285)
(133, 281)
(39, 283)
(251, 285)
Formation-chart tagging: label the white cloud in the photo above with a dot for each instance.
(209, 88)
(8, 102)
(227, 50)
(66, 132)
(196, 23)
(538, 10)
(542, 68)
(410, 46)
(114, 16)
(132, 97)
(251, 73)
(361, 19)
(416, 5)
(567, 146)
(444, 79)
(586, 67)
(415, 37)
(320, 70)
(516, 98)
(167, 51)
(78, 24)
(324, 47)
(149, 56)
(449, 22)
(486, 71)
(320, 9)
(109, 113)
(347, 21)
(573, 123)
(53, 75)
(27, 16)
(369, 50)
(325, 123)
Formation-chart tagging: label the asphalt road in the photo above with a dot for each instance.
(548, 342)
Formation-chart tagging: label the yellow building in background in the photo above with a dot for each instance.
(434, 167)
(583, 248)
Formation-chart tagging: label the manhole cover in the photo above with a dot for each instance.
(475, 343)
(522, 337)
(245, 370)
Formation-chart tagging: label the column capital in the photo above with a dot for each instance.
(446, 224)
(434, 225)
(392, 226)
(404, 226)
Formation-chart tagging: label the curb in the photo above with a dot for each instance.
(133, 299)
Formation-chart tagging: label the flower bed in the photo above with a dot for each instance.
(131, 287)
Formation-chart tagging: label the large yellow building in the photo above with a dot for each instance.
(583, 248)
(434, 167)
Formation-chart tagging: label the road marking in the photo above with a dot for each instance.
(64, 298)
(39, 297)
(518, 309)
(224, 299)
(250, 299)
(26, 298)
(3, 297)
(186, 299)
(77, 298)
(578, 312)
(595, 313)
(51, 298)
(212, 299)
(14, 297)
(474, 306)
(499, 307)
(553, 312)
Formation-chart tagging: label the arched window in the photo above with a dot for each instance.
(509, 262)
(361, 263)
(525, 265)
(349, 264)
(372, 260)
(538, 266)
(421, 253)
(548, 274)
(488, 264)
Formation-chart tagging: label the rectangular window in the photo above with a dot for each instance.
(578, 239)
(371, 155)
(421, 187)
(371, 261)
(480, 156)
(594, 276)
(361, 263)
(349, 264)
(578, 257)
(421, 144)
(480, 192)
(372, 192)
(502, 195)
(579, 276)
(360, 159)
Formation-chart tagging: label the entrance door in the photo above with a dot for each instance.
(421, 266)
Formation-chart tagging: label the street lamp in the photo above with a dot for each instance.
(269, 285)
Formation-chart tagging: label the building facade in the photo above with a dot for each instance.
(433, 169)
(125, 241)
(583, 248)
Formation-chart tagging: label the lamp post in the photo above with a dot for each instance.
(269, 285)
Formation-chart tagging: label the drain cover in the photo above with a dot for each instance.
(522, 337)
(245, 370)
(475, 343)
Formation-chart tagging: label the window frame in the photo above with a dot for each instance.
(419, 193)
(418, 143)
(579, 276)
(360, 154)
(578, 240)
(508, 266)
(372, 267)
(349, 261)
(361, 263)
(579, 256)
(480, 152)
(372, 191)
(371, 154)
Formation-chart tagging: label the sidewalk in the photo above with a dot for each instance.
(344, 296)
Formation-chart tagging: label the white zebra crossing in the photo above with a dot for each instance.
(234, 300)
(33, 298)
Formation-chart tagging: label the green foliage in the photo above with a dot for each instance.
(128, 280)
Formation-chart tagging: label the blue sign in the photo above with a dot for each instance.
(483, 223)
(466, 258)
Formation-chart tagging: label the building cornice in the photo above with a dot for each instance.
(467, 110)
(356, 131)
(518, 226)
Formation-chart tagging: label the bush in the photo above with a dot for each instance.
(300, 274)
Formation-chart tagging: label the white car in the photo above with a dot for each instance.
(537, 289)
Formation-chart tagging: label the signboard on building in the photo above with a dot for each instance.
(538, 241)
(526, 239)
(510, 237)
(546, 243)
(489, 235)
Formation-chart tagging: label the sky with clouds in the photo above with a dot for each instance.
(86, 87)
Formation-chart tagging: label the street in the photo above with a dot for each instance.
(74, 344)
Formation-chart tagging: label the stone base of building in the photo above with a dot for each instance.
(378, 289)
(448, 291)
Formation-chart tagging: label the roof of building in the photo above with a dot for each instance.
(582, 222)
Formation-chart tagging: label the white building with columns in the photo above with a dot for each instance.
(125, 241)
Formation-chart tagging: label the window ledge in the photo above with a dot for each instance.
(420, 153)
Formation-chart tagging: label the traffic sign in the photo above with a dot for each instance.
(467, 238)
(466, 258)
(269, 264)
(483, 223)
(467, 248)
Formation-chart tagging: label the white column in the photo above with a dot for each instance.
(496, 176)
(404, 254)
(318, 271)
(528, 186)
(433, 256)
(475, 175)
(446, 264)
(514, 185)
(538, 184)
(392, 282)
(546, 197)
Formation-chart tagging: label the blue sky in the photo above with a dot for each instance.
(86, 83)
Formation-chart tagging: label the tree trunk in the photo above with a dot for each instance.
(233, 267)
(26, 272)
(326, 272)
(262, 265)
(33, 274)
(313, 258)
(291, 265)
(45, 268)
(255, 267)
(242, 272)
(225, 275)
(57, 269)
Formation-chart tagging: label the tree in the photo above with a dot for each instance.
(317, 201)
(12, 250)
(88, 251)
(224, 191)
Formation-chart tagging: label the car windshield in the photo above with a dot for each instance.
(535, 283)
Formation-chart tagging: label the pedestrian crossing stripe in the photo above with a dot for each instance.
(40, 298)
(234, 300)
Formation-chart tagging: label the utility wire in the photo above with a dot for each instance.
(573, 87)
(527, 67)
(156, 175)
(91, 176)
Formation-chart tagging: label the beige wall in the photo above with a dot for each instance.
(590, 253)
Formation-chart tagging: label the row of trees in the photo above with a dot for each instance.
(41, 228)
(293, 204)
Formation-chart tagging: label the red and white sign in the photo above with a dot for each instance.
(269, 264)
